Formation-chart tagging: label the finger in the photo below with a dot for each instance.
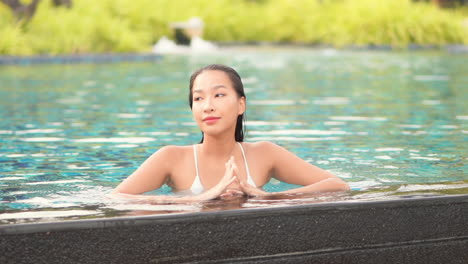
(245, 184)
(233, 190)
(231, 181)
(232, 161)
(225, 195)
(249, 189)
(229, 163)
(236, 192)
(229, 175)
(235, 170)
(229, 171)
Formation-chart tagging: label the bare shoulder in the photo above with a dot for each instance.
(262, 146)
(265, 149)
(174, 150)
(172, 153)
(276, 154)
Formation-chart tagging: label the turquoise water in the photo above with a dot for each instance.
(387, 122)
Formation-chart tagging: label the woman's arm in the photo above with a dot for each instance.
(289, 168)
(210, 194)
(153, 173)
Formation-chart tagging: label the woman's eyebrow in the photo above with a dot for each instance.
(212, 88)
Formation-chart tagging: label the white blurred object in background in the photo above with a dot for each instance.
(188, 39)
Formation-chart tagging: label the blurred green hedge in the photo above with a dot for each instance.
(135, 25)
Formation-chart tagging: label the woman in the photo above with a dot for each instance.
(222, 165)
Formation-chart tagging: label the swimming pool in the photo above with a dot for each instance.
(389, 123)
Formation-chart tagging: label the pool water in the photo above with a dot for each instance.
(389, 123)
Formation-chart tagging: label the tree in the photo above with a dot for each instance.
(22, 11)
(27, 11)
(66, 3)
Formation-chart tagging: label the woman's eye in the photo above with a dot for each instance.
(220, 95)
(197, 98)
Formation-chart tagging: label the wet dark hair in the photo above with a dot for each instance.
(238, 87)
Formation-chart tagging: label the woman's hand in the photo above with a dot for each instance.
(217, 191)
(229, 193)
(251, 190)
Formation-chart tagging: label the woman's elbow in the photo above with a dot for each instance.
(120, 191)
(115, 192)
(339, 184)
(118, 194)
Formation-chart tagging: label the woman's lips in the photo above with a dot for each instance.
(211, 120)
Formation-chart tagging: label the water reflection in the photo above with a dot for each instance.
(94, 203)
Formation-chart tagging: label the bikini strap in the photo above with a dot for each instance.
(196, 160)
(249, 177)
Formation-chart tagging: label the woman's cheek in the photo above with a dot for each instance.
(196, 114)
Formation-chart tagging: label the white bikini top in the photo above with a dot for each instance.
(197, 186)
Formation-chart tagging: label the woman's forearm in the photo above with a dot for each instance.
(204, 196)
(327, 185)
(210, 194)
(161, 198)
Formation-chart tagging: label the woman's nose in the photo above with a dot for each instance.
(208, 107)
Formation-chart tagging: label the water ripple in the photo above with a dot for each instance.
(115, 140)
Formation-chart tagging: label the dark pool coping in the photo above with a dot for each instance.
(406, 230)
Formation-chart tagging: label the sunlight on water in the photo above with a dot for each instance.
(388, 123)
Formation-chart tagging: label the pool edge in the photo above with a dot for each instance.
(393, 231)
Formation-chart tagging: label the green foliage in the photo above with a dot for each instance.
(134, 25)
(13, 41)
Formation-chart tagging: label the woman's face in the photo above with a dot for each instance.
(216, 104)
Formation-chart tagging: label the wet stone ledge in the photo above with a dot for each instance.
(407, 230)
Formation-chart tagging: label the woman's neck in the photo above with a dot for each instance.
(218, 146)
